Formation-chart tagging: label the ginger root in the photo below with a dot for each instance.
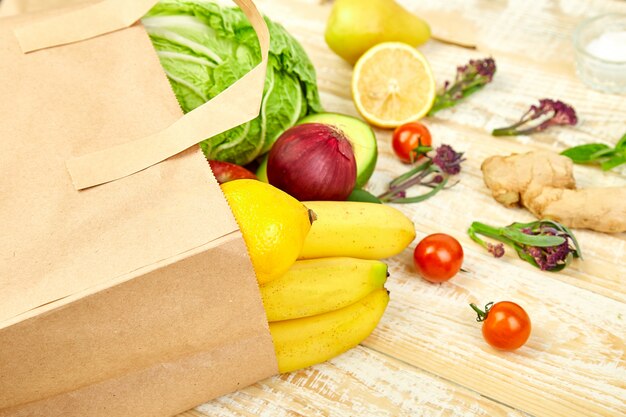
(515, 179)
(543, 182)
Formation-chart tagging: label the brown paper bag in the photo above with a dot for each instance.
(135, 296)
(13, 7)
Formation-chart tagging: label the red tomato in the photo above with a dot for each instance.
(438, 257)
(408, 137)
(506, 325)
(226, 171)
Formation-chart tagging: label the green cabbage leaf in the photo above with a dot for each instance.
(204, 48)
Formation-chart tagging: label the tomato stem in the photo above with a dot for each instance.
(420, 150)
(482, 315)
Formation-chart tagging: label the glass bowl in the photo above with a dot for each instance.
(600, 50)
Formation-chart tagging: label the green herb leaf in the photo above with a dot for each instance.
(422, 197)
(440, 104)
(525, 256)
(534, 225)
(489, 231)
(614, 161)
(607, 157)
(585, 153)
(578, 253)
(421, 167)
(363, 196)
(532, 240)
(604, 153)
(622, 143)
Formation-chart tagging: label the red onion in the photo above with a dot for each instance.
(313, 161)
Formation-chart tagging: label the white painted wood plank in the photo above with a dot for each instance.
(359, 383)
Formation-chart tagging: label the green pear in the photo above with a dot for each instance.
(354, 26)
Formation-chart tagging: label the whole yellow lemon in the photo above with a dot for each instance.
(273, 224)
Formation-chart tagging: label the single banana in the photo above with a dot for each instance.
(317, 286)
(355, 229)
(306, 341)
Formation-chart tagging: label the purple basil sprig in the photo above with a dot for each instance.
(469, 78)
(546, 244)
(433, 171)
(548, 113)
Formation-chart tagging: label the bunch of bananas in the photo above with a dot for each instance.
(317, 265)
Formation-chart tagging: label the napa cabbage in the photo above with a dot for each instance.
(205, 47)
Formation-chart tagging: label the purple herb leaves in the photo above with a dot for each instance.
(469, 79)
(546, 244)
(433, 171)
(538, 118)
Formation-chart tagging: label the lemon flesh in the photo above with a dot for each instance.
(392, 84)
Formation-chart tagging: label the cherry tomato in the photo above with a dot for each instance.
(408, 137)
(438, 257)
(506, 325)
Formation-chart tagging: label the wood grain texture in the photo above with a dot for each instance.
(427, 357)
(359, 383)
(572, 364)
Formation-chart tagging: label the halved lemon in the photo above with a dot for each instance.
(392, 84)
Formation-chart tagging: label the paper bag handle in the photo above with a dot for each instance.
(236, 105)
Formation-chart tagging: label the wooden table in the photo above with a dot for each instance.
(427, 356)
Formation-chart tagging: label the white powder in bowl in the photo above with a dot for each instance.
(610, 46)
